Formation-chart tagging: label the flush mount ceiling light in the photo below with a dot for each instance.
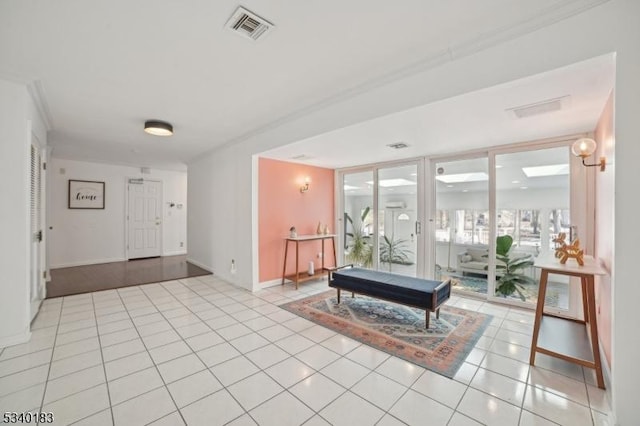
(158, 128)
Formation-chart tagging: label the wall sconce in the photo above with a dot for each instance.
(583, 148)
(305, 187)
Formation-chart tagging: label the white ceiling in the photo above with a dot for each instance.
(473, 120)
(105, 66)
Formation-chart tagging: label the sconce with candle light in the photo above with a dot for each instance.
(305, 187)
(585, 147)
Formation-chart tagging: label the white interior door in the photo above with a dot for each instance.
(37, 279)
(144, 218)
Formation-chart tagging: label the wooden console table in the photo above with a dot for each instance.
(297, 277)
(572, 340)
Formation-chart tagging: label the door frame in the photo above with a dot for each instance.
(42, 273)
(585, 221)
(420, 208)
(126, 213)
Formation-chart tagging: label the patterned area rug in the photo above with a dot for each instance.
(398, 329)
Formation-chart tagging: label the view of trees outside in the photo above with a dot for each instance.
(472, 226)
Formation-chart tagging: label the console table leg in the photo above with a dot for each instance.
(284, 266)
(593, 328)
(542, 290)
(585, 302)
(297, 266)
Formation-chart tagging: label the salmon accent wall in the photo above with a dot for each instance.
(604, 136)
(281, 205)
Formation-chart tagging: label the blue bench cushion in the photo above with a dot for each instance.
(398, 288)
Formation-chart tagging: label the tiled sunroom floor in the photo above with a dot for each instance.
(203, 352)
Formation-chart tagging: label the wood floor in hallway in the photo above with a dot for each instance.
(105, 276)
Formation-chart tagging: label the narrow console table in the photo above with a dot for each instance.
(299, 277)
(572, 340)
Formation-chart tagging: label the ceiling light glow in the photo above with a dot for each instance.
(550, 170)
(463, 177)
(388, 183)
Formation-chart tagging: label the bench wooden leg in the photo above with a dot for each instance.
(427, 314)
(438, 313)
(352, 295)
(338, 296)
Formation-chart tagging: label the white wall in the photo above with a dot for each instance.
(18, 119)
(82, 237)
(220, 222)
(225, 175)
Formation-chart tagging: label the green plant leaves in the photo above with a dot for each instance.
(503, 244)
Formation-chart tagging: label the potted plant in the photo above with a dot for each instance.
(359, 250)
(512, 277)
(394, 251)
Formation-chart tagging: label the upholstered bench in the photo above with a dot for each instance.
(416, 292)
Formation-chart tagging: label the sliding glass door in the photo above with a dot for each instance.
(397, 217)
(358, 219)
(532, 208)
(380, 214)
(462, 223)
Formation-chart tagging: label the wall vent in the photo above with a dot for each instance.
(247, 24)
(542, 107)
(398, 145)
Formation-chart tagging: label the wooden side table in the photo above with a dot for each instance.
(297, 277)
(569, 339)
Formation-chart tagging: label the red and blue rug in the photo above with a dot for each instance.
(398, 329)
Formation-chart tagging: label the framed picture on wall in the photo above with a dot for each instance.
(86, 194)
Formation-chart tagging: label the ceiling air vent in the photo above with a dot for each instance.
(543, 107)
(248, 24)
(398, 145)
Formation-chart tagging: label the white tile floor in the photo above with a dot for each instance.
(203, 352)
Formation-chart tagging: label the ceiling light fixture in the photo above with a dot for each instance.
(158, 128)
(583, 148)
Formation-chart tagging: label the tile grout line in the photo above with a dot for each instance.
(46, 383)
(260, 370)
(204, 363)
(104, 367)
(150, 357)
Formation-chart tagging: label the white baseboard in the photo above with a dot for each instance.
(606, 374)
(174, 253)
(271, 283)
(201, 265)
(87, 262)
(15, 339)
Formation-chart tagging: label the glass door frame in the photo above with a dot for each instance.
(421, 234)
(432, 209)
(580, 209)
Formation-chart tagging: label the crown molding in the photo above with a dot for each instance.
(36, 92)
